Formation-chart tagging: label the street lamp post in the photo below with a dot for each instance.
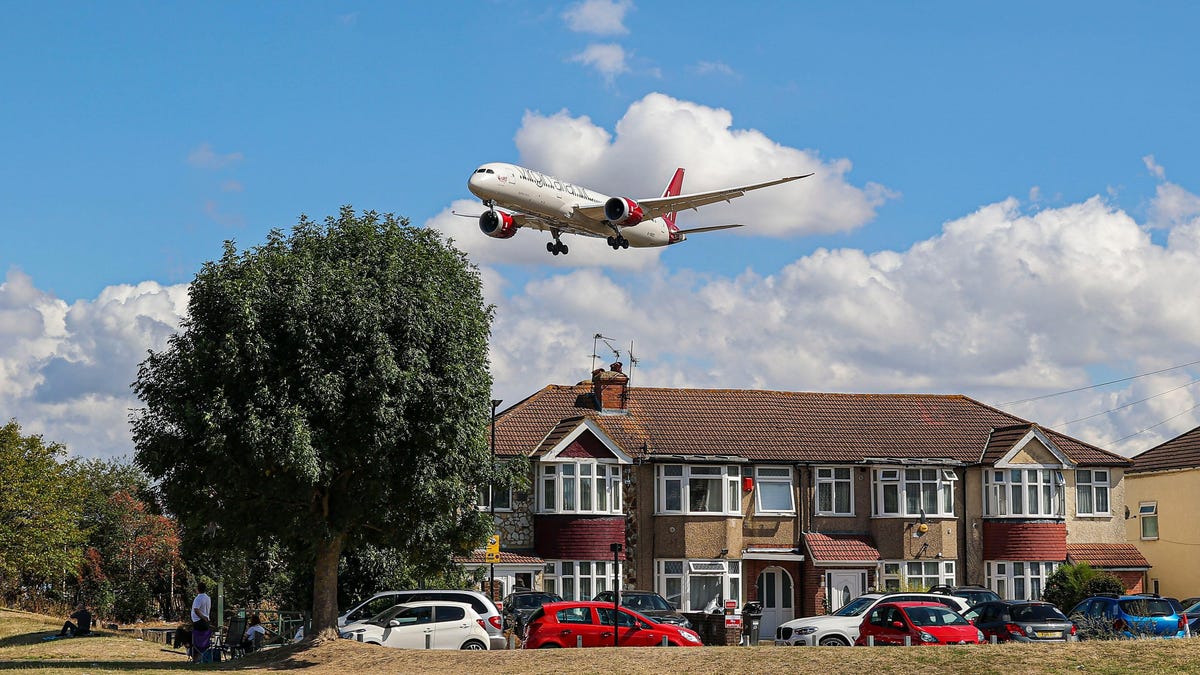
(492, 496)
(616, 549)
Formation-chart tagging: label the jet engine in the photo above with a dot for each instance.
(497, 224)
(622, 211)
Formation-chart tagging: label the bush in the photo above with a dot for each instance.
(1066, 587)
(1103, 583)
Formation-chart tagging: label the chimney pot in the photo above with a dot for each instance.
(616, 367)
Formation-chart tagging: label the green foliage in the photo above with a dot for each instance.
(40, 503)
(1068, 585)
(1103, 583)
(329, 390)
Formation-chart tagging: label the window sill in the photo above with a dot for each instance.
(1149, 538)
(704, 514)
(775, 514)
(818, 514)
(928, 516)
(1095, 516)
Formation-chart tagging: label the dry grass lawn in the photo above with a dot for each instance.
(22, 649)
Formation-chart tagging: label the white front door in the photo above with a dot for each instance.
(775, 594)
(843, 587)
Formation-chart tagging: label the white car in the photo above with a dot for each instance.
(434, 624)
(382, 601)
(840, 629)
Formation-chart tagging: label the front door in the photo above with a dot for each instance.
(775, 594)
(844, 586)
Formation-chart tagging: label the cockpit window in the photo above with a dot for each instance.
(480, 170)
(490, 171)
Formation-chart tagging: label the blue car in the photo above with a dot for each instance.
(1129, 616)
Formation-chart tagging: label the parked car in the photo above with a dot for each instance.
(1128, 616)
(482, 605)
(973, 594)
(840, 629)
(438, 624)
(649, 604)
(1192, 612)
(1021, 621)
(590, 624)
(520, 604)
(923, 623)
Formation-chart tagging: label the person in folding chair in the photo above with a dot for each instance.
(254, 635)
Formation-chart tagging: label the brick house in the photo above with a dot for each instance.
(798, 500)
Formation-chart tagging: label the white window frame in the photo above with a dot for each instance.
(900, 477)
(1095, 486)
(774, 476)
(828, 475)
(1023, 578)
(1002, 494)
(681, 475)
(1148, 512)
(904, 574)
(671, 575)
(578, 579)
(576, 478)
(485, 494)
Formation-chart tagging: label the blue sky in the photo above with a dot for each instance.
(1005, 200)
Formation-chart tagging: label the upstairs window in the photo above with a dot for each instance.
(1148, 513)
(584, 486)
(1091, 492)
(503, 497)
(835, 492)
(911, 492)
(698, 489)
(1023, 492)
(773, 492)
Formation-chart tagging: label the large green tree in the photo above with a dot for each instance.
(329, 389)
(40, 502)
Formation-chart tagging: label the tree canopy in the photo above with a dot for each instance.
(329, 389)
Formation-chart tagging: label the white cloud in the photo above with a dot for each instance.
(1001, 305)
(659, 133)
(1154, 168)
(204, 157)
(609, 60)
(713, 68)
(598, 17)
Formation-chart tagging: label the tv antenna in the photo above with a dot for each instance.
(607, 343)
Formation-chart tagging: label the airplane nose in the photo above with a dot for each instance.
(476, 182)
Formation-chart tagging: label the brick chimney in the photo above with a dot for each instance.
(608, 388)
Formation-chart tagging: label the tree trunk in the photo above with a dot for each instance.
(325, 586)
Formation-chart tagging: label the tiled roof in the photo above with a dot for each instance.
(506, 558)
(1001, 440)
(840, 547)
(1181, 452)
(1107, 555)
(778, 425)
(1016, 540)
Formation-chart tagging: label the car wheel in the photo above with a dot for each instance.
(833, 641)
(549, 645)
(474, 645)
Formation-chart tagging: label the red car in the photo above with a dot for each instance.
(590, 624)
(924, 623)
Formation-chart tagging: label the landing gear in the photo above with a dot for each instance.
(618, 242)
(556, 246)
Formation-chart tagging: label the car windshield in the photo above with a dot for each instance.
(383, 617)
(1147, 607)
(645, 603)
(977, 596)
(934, 616)
(856, 607)
(1193, 610)
(532, 600)
(1037, 613)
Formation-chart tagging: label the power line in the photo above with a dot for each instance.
(1157, 425)
(1120, 407)
(1094, 386)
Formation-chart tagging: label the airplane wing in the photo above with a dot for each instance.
(713, 228)
(538, 223)
(658, 206)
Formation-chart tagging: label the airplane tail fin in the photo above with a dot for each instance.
(672, 190)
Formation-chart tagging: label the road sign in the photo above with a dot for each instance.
(493, 544)
(489, 557)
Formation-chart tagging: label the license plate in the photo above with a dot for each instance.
(1049, 634)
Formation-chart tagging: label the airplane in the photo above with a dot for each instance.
(518, 197)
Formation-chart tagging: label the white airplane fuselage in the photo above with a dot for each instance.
(517, 188)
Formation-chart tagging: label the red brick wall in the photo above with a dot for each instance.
(577, 537)
(586, 446)
(1004, 540)
(1133, 580)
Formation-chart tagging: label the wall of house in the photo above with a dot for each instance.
(516, 526)
(1098, 530)
(1173, 555)
(971, 570)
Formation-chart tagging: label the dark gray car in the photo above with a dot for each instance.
(1021, 621)
(649, 604)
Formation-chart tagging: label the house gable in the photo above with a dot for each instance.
(1034, 449)
(580, 438)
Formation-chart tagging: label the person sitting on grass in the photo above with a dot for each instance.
(256, 630)
(84, 627)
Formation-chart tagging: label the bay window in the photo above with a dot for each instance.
(1091, 492)
(835, 492)
(698, 489)
(913, 492)
(698, 585)
(578, 579)
(583, 486)
(1019, 580)
(1023, 492)
(917, 575)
